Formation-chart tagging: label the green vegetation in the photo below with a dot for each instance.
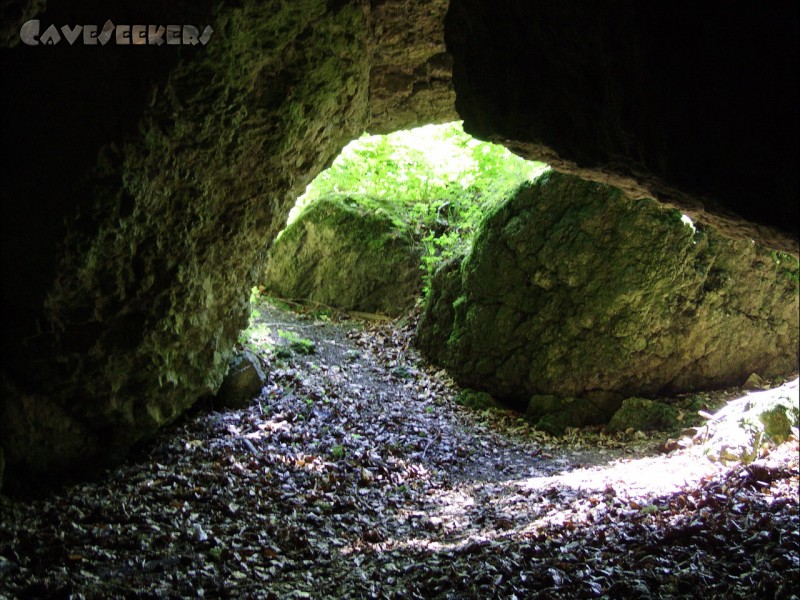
(436, 181)
(786, 265)
(297, 343)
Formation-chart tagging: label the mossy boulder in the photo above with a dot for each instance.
(347, 253)
(572, 288)
(570, 412)
(152, 285)
(554, 414)
(641, 414)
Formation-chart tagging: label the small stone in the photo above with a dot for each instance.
(198, 535)
(754, 382)
(244, 381)
(641, 414)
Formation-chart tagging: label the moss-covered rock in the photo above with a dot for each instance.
(570, 412)
(152, 289)
(641, 414)
(572, 288)
(342, 252)
(554, 414)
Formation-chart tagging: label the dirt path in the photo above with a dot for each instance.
(355, 475)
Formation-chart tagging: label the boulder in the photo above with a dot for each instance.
(737, 431)
(477, 400)
(570, 412)
(342, 252)
(572, 288)
(243, 382)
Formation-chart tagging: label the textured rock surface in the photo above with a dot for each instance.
(603, 90)
(572, 288)
(554, 414)
(339, 254)
(243, 382)
(410, 69)
(738, 430)
(152, 287)
(13, 13)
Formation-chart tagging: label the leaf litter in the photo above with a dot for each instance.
(355, 475)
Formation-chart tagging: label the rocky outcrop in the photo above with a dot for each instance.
(602, 90)
(341, 254)
(737, 432)
(152, 288)
(573, 289)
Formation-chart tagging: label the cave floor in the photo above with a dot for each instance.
(356, 475)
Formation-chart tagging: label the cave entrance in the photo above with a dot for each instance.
(370, 231)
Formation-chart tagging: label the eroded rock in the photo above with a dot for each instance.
(599, 90)
(340, 254)
(573, 288)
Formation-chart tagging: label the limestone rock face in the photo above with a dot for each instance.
(410, 82)
(152, 285)
(602, 90)
(571, 288)
(339, 254)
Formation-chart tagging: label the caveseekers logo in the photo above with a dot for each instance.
(122, 35)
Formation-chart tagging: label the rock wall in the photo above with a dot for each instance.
(151, 289)
(411, 71)
(573, 289)
(692, 104)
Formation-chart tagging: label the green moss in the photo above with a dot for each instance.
(572, 287)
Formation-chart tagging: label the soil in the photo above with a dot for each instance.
(355, 474)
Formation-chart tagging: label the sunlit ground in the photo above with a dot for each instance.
(577, 496)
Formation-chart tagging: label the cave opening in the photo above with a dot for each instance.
(386, 214)
(611, 299)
